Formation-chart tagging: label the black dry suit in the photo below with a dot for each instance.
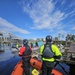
(26, 59)
(27, 52)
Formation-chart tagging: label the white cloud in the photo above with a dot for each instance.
(5, 25)
(73, 28)
(63, 2)
(63, 32)
(70, 14)
(42, 14)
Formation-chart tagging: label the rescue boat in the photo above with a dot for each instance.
(36, 64)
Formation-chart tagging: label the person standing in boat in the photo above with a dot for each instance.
(36, 44)
(25, 52)
(31, 45)
(49, 53)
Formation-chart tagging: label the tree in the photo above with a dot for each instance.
(56, 38)
(59, 35)
(70, 37)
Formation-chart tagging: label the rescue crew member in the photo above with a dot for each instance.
(17, 46)
(49, 53)
(31, 45)
(36, 44)
(25, 52)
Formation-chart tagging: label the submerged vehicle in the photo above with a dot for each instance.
(36, 64)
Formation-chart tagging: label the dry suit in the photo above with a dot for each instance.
(48, 53)
(25, 52)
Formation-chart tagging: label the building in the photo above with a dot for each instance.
(7, 40)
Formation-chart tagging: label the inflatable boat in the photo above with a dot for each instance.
(36, 64)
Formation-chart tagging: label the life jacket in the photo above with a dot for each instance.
(27, 51)
(47, 52)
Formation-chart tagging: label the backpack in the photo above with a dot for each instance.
(47, 52)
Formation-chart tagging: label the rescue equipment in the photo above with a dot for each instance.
(35, 72)
(36, 63)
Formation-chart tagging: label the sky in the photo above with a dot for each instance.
(37, 18)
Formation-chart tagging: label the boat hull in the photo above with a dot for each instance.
(18, 70)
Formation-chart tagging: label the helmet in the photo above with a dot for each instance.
(25, 42)
(48, 38)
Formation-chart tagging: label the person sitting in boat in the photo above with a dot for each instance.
(49, 52)
(25, 52)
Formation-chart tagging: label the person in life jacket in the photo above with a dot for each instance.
(17, 46)
(25, 52)
(49, 53)
(31, 45)
(36, 44)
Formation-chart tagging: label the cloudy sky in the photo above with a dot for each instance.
(37, 18)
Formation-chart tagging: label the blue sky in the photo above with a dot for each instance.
(37, 18)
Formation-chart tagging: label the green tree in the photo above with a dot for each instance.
(70, 37)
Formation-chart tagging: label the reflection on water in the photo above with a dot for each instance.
(6, 67)
(8, 60)
(6, 55)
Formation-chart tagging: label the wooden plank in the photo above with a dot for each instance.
(72, 47)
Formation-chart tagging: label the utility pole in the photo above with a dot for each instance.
(10, 38)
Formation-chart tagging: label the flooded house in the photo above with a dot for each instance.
(7, 40)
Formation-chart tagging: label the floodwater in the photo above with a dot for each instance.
(8, 60)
